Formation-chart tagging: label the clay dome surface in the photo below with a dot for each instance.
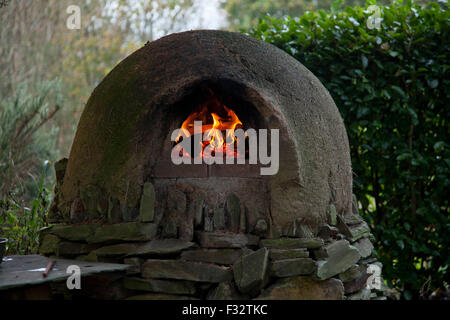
(121, 130)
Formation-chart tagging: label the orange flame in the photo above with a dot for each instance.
(213, 133)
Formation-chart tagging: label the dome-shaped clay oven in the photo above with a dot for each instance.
(123, 137)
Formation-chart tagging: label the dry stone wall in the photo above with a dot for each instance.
(220, 256)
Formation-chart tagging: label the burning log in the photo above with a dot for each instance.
(218, 120)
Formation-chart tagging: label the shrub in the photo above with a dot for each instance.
(26, 142)
(21, 224)
(391, 87)
(25, 139)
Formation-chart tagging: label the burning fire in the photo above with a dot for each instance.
(218, 122)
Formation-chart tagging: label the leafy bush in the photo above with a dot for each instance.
(25, 141)
(392, 88)
(20, 224)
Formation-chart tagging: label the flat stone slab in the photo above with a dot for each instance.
(218, 256)
(116, 250)
(352, 219)
(72, 232)
(338, 257)
(352, 273)
(224, 291)
(127, 231)
(185, 270)
(164, 247)
(226, 240)
(359, 231)
(49, 244)
(304, 288)
(282, 254)
(20, 271)
(364, 246)
(292, 243)
(353, 232)
(292, 267)
(326, 231)
(135, 265)
(364, 294)
(250, 271)
(154, 247)
(356, 284)
(69, 248)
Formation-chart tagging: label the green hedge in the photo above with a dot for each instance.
(391, 86)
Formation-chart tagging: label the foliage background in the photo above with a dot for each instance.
(391, 87)
(244, 14)
(47, 73)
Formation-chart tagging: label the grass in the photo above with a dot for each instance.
(20, 223)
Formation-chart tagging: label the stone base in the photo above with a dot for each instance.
(221, 265)
(183, 246)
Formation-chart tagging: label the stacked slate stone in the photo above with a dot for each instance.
(218, 254)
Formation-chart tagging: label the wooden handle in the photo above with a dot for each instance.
(49, 267)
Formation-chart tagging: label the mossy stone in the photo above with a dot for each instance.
(332, 215)
(304, 288)
(185, 270)
(49, 244)
(292, 267)
(74, 232)
(147, 206)
(292, 243)
(127, 231)
(233, 208)
(336, 258)
(251, 271)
